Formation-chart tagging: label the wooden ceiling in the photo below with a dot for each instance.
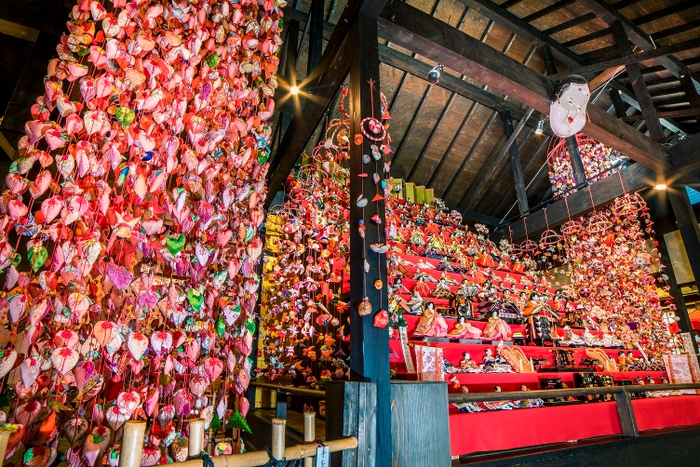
(450, 136)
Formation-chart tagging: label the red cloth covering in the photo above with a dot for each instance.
(512, 429)
(502, 430)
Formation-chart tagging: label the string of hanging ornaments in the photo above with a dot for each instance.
(599, 161)
(129, 231)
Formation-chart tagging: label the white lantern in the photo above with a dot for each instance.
(567, 113)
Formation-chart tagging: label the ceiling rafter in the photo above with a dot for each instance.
(548, 10)
(535, 36)
(638, 37)
(419, 32)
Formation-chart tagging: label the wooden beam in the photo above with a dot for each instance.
(19, 31)
(638, 37)
(428, 36)
(668, 113)
(617, 103)
(634, 73)
(634, 177)
(685, 155)
(322, 83)
(536, 37)
(692, 94)
(687, 224)
(369, 345)
(520, 191)
(630, 59)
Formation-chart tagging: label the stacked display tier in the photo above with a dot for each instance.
(501, 430)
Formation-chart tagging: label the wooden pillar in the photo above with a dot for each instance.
(369, 345)
(351, 410)
(617, 103)
(520, 189)
(634, 72)
(688, 226)
(577, 167)
(315, 35)
(420, 433)
(675, 291)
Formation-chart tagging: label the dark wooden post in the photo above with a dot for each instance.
(315, 35)
(675, 291)
(688, 226)
(420, 433)
(626, 414)
(634, 72)
(520, 190)
(351, 410)
(577, 167)
(369, 345)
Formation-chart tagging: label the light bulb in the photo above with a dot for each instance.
(540, 127)
(660, 186)
(294, 90)
(435, 73)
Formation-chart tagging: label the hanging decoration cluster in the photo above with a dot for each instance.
(305, 268)
(129, 230)
(612, 262)
(599, 161)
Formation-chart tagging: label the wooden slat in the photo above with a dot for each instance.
(548, 10)
(630, 59)
(437, 41)
(409, 127)
(419, 433)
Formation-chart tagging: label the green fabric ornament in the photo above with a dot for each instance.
(237, 421)
(174, 243)
(220, 327)
(124, 116)
(250, 325)
(212, 60)
(37, 256)
(195, 298)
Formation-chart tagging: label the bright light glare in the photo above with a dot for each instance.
(294, 90)
(660, 186)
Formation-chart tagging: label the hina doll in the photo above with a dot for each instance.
(415, 305)
(464, 330)
(497, 329)
(467, 365)
(442, 289)
(421, 287)
(571, 339)
(432, 324)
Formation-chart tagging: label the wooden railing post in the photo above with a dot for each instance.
(626, 414)
(351, 410)
(309, 433)
(4, 438)
(196, 438)
(132, 443)
(281, 408)
(279, 427)
(419, 433)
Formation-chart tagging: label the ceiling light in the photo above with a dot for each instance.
(294, 90)
(540, 127)
(660, 186)
(435, 73)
